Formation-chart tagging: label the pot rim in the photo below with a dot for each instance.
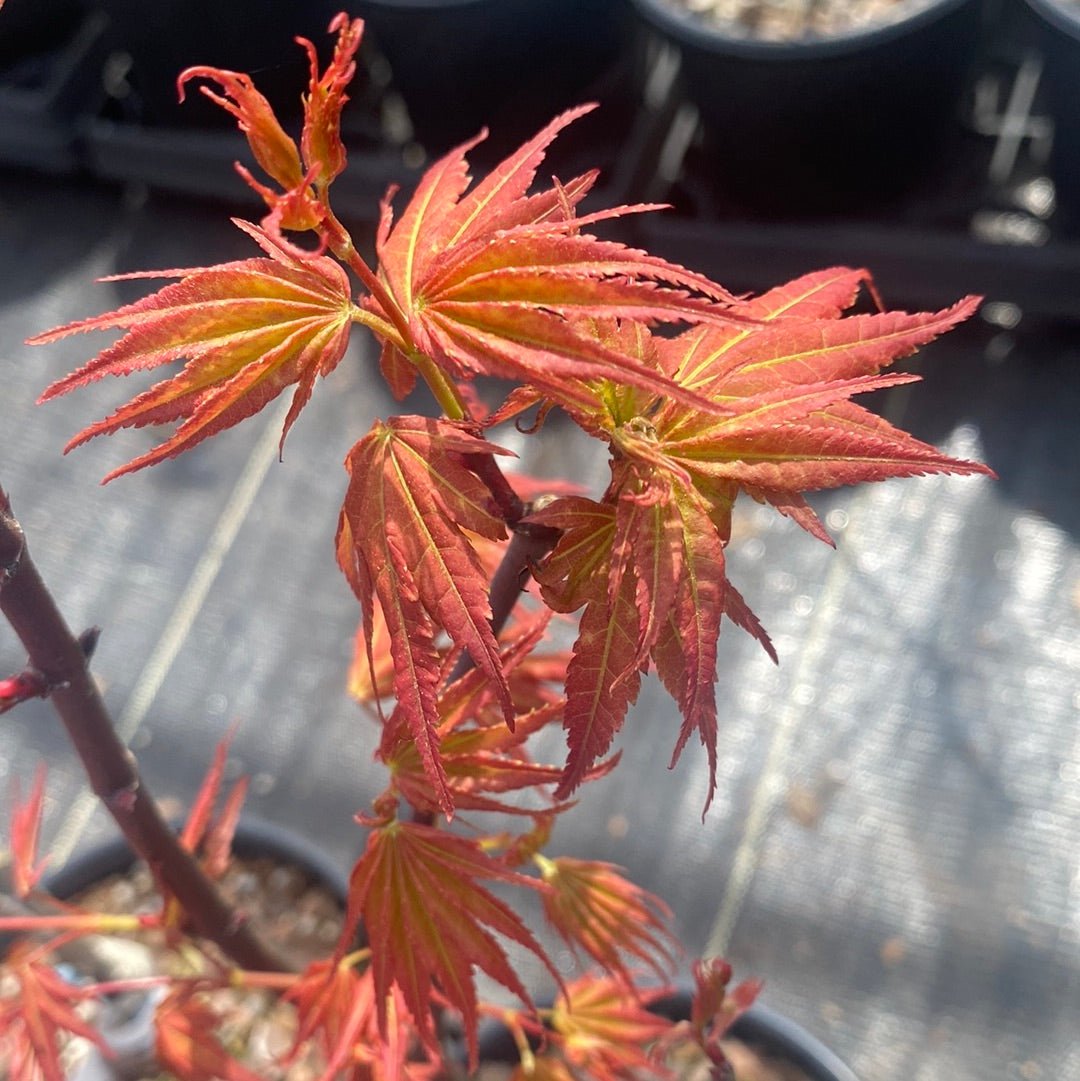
(760, 1025)
(1065, 19)
(254, 837)
(690, 30)
(422, 5)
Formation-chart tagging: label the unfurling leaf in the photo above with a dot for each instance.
(401, 538)
(25, 827)
(21, 687)
(321, 138)
(301, 204)
(600, 912)
(606, 1029)
(429, 922)
(185, 1041)
(715, 1008)
(248, 330)
(37, 1016)
(662, 592)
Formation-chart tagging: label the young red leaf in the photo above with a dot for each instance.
(202, 807)
(214, 836)
(481, 757)
(321, 139)
(335, 1006)
(664, 593)
(685, 647)
(185, 1043)
(715, 1008)
(576, 569)
(783, 425)
(792, 357)
(603, 676)
(600, 912)
(400, 537)
(429, 922)
(822, 294)
(21, 687)
(39, 1018)
(606, 1029)
(602, 680)
(477, 762)
(273, 149)
(248, 329)
(301, 204)
(25, 827)
(217, 845)
(202, 834)
(492, 281)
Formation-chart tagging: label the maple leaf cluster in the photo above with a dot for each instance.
(698, 397)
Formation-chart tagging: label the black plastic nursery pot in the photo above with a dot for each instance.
(510, 65)
(163, 38)
(777, 1038)
(128, 1026)
(829, 124)
(254, 838)
(33, 26)
(1057, 37)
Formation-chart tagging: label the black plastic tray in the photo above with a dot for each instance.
(971, 230)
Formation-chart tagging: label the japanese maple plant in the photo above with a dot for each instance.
(458, 567)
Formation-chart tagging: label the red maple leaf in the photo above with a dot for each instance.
(39, 1018)
(401, 538)
(335, 1007)
(248, 330)
(482, 758)
(599, 911)
(429, 922)
(186, 1042)
(606, 1030)
(648, 560)
(494, 281)
(715, 1007)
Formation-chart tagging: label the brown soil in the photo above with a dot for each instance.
(301, 918)
(795, 20)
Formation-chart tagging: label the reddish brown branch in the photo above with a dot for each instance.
(528, 545)
(112, 771)
(511, 508)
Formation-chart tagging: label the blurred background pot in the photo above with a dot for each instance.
(156, 42)
(510, 65)
(1056, 35)
(824, 124)
(33, 26)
